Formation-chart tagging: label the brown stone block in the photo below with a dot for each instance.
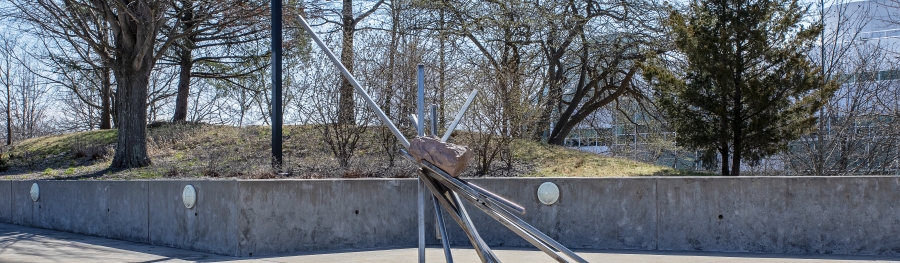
(451, 158)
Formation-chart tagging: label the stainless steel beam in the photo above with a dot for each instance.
(337, 63)
(492, 208)
(445, 240)
(459, 116)
(420, 99)
(485, 194)
(509, 204)
(434, 120)
(421, 218)
(451, 201)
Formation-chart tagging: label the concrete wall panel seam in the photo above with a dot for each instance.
(149, 185)
(656, 220)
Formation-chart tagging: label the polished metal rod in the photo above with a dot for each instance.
(337, 63)
(509, 204)
(432, 178)
(415, 121)
(459, 116)
(420, 99)
(434, 120)
(445, 240)
(489, 206)
(501, 215)
(508, 220)
(453, 204)
(485, 194)
(421, 218)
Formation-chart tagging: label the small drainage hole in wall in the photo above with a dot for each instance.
(356, 212)
(107, 210)
(720, 216)
(195, 214)
(251, 254)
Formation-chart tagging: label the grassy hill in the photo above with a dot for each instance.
(212, 151)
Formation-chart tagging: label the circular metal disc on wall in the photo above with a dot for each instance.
(548, 193)
(35, 192)
(189, 196)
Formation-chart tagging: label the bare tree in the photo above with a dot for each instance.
(131, 53)
(29, 106)
(349, 24)
(855, 133)
(592, 50)
(215, 34)
(341, 139)
(7, 50)
(27, 97)
(80, 71)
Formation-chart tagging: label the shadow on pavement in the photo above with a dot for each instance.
(26, 244)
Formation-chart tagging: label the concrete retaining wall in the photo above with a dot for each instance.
(289, 216)
(831, 215)
(211, 226)
(6, 203)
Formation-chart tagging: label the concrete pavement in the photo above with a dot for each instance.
(25, 244)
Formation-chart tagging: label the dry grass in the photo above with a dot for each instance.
(556, 161)
(212, 152)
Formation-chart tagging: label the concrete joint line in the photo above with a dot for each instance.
(656, 196)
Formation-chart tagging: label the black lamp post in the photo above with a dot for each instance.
(276, 85)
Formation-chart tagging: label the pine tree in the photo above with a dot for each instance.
(747, 87)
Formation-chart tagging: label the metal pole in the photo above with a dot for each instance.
(337, 63)
(420, 100)
(421, 218)
(459, 116)
(433, 175)
(420, 131)
(276, 85)
(491, 208)
(451, 201)
(442, 230)
(434, 120)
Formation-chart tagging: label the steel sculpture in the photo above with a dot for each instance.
(448, 192)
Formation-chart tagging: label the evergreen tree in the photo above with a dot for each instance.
(747, 87)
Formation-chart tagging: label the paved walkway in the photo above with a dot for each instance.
(24, 244)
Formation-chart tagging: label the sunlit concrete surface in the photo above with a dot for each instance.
(24, 244)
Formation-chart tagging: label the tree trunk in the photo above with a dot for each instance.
(563, 131)
(184, 86)
(555, 80)
(346, 114)
(737, 119)
(572, 116)
(8, 114)
(105, 93)
(186, 64)
(724, 152)
(736, 156)
(442, 70)
(113, 111)
(131, 104)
